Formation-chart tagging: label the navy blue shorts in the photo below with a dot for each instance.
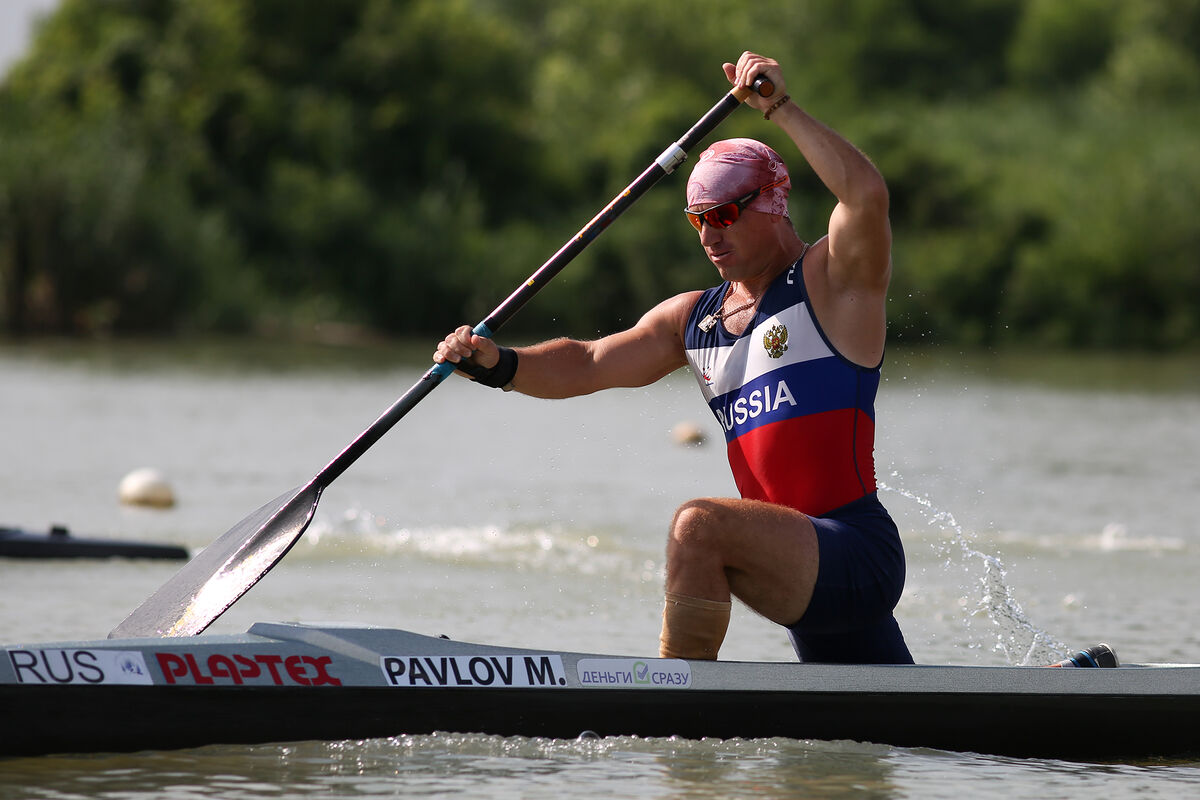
(859, 581)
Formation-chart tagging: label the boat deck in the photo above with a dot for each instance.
(289, 682)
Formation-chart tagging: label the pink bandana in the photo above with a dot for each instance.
(733, 167)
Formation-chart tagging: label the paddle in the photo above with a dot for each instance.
(225, 570)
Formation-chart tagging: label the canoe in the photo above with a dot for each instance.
(289, 682)
(58, 542)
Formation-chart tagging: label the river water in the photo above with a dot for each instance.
(1047, 504)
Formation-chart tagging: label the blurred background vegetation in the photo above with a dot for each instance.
(183, 167)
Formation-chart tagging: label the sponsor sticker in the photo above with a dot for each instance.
(654, 673)
(80, 666)
(482, 671)
(268, 669)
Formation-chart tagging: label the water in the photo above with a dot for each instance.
(1046, 505)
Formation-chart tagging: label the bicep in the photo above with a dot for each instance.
(650, 350)
(636, 357)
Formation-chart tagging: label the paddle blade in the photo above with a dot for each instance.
(225, 570)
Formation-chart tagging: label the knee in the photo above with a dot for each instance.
(695, 526)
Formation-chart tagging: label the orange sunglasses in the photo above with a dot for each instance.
(726, 214)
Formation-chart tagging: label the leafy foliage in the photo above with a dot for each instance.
(233, 165)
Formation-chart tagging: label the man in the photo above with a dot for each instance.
(787, 352)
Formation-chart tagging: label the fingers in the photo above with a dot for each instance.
(463, 343)
(751, 66)
(455, 347)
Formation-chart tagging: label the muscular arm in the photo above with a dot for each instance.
(860, 235)
(848, 272)
(561, 368)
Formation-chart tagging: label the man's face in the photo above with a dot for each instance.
(743, 249)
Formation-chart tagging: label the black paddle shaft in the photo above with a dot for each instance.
(225, 570)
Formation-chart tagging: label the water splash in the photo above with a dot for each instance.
(1012, 633)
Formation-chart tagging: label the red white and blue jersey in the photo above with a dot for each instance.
(798, 417)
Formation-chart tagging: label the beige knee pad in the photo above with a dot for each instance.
(692, 627)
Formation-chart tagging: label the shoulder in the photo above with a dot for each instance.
(671, 315)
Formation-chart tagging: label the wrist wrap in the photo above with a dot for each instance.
(499, 376)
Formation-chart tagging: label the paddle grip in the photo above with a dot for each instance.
(762, 86)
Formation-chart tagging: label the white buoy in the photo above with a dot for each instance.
(146, 487)
(688, 433)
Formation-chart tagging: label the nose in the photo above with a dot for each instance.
(709, 235)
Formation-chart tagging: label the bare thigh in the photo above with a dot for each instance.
(763, 554)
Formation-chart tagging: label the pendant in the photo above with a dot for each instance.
(707, 324)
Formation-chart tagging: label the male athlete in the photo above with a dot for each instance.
(787, 351)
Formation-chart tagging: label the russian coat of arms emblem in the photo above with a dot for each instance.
(775, 341)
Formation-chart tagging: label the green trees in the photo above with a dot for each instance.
(1069, 195)
(232, 165)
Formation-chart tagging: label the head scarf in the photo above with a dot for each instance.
(734, 167)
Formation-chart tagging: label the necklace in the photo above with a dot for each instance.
(710, 321)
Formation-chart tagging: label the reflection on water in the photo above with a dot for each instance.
(456, 765)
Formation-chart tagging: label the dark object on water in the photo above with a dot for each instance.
(59, 543)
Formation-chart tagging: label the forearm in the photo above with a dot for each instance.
(562, 368)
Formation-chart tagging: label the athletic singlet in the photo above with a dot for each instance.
(799, 418)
